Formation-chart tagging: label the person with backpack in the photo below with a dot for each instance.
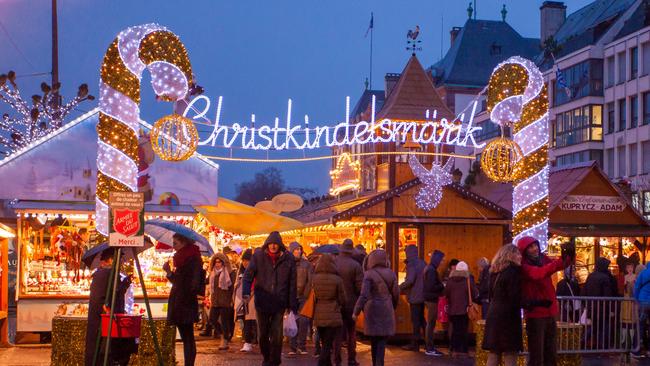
(432, 291)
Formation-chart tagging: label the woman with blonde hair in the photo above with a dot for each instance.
(220, 294)
(503, 333)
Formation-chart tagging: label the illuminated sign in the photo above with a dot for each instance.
(346, 175)
(287, 135)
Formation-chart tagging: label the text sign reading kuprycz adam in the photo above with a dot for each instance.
(126, 219)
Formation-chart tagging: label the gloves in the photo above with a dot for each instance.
(166, 267)
(568, 250)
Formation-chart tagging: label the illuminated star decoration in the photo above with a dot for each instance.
(432, 181)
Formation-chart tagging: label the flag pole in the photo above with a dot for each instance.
(372, 29)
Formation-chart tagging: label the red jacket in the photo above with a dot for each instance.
(536, 283)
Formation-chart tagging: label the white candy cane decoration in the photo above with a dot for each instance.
(148, 46)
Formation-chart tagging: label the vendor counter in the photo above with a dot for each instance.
(69, 337)
(568, 333)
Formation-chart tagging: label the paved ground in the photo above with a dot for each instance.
(208, 354)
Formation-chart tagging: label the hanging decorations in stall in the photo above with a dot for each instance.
(174, 138)
(149, 46)
(498, 159)
(432, 181)
(517, 97)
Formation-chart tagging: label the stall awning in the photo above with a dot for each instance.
(239, 218)
(83, 207)
(600, 230)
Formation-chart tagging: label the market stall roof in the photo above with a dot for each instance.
(584, 180)
(471, 207)
(240, 218)
(82, 207)
(61, 166)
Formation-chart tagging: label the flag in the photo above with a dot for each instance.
(372, 22)
(561, 82)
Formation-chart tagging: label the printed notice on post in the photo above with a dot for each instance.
(126, 219)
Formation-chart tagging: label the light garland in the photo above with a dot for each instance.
(432, 180)
(148, 46)
(346, 174)
(327, 157)
(517, 97)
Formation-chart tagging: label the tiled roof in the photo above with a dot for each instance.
(479, 47)
(639, 19)
(413, 94)
(588, 24)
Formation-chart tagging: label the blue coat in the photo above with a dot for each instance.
(642, 287)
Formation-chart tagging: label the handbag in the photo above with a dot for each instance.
(307, 309)
(442, 310)
(473, 310)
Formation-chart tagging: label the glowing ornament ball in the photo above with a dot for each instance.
(174, 138)
(168, 199)
(499, 159)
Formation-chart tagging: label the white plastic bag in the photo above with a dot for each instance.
(289, 326)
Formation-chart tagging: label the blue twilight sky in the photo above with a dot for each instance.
(254, 53)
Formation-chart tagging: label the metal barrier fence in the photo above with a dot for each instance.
(598, 325)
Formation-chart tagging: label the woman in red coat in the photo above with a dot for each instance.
(538, 299)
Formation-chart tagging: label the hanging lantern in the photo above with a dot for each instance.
(499, 159)
(174, 138)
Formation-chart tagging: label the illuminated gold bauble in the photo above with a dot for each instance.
(499, 158)
(174, 138)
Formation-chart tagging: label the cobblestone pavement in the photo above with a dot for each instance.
(208, 354)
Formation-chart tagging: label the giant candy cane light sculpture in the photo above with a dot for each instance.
(517, 96)
(149, 46)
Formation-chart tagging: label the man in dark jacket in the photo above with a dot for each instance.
(432, 290)
(304, 274)
(601, 283)
(539, 301)
(414, 286)
(273, 269)
(352, 274)
(121, 348)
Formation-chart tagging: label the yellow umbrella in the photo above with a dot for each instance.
(239, 218)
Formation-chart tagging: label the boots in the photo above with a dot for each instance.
(206, 333)
(224, 344)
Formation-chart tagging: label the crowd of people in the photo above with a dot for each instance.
(260, 288)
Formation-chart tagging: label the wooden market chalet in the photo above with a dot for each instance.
(381, 210)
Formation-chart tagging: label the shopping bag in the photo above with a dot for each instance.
(308, 307)
(442, 310)
(289, 326)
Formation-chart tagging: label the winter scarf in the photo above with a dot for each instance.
(185, 254)
(223, 278)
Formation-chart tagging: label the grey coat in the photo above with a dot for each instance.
(352, 274)
(379, 296)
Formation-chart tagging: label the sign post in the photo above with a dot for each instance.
(126, 230)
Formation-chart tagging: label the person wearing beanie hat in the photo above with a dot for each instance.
(273, 269)
(458, 290)
(413, 286)
(539, 300)
(432, 291)
(350, 271)
(304, 274)
(245, 310)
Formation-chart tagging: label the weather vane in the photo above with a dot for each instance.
(412, 41)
